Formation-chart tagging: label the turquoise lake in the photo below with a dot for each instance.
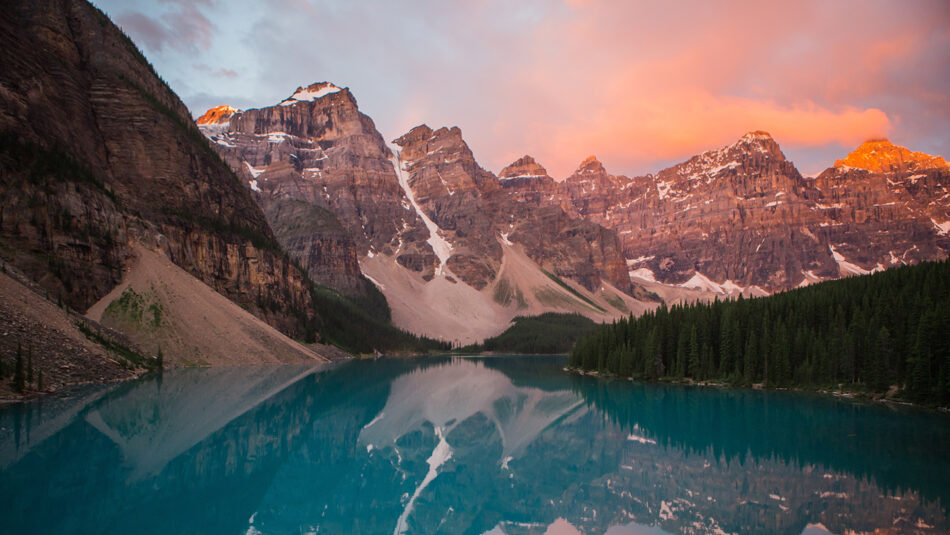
(498, 445)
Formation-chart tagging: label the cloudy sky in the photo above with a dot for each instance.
(639, 84)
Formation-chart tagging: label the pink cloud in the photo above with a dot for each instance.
(630, 133)
(641, 84)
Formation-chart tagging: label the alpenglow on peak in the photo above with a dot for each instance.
(216, 115)
(882, 156)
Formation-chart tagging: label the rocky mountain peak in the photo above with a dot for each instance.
(416, 134)
(758, 141)
(750, 154)
(526, 166)
(311, 93)
(447, 134)
(882, 156)
(590, 165)
(757, 135)
(217, 115)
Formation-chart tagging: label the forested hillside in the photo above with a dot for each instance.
(868, 333)
(547, 334)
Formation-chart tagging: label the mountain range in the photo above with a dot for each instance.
(437, 232)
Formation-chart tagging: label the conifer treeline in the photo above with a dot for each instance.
(868, 332)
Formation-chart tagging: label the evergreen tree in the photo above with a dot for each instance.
(880, 360)
(694, 362)
(750, 358)
(626, 361)
(728, 344)
(867, 332)
(682, 349)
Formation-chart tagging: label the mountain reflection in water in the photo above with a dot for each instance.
(454, 445)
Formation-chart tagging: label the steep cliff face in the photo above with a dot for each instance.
(886, 206)
(477, 212)
(317, 148)
(554, 234)
(882, 156)
(98, 153)
(742, 218)
(449, 188)
(421, 204)
(739, 214)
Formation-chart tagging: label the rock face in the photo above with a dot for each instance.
(449, 189)
(317, 148)
(742, 218)
(882, 156)
(98, 153)
(422, 200)
(893, 211)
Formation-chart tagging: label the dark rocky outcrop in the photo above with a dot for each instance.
(97, 152)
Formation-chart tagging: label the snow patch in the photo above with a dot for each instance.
(254, 186)
(847, 268)
(700, 282)
(441, 247)
(643, 273)
(305, 95)
(810, 278)
(255, 172)
(942, 228)
(277, 137)
(731, 287)
(632, 261)
(665, 512)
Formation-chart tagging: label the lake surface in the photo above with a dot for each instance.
(497, 445)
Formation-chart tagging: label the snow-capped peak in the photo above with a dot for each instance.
(709, 165)
(311, 93)
(756, 141)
